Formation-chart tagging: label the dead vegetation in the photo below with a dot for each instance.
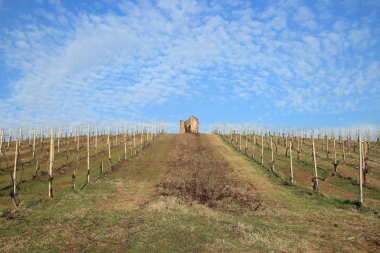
(197, 173)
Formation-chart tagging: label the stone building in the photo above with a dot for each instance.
(189, 126)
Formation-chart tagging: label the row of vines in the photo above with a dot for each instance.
(343, 164)
(34, 161)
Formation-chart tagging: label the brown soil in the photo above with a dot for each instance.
(197, 173)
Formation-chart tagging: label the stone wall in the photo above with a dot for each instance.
(189, 126)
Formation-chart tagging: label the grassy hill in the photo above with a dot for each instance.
(188, 193)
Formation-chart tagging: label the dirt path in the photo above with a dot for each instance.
(190, 194)
(196, 173)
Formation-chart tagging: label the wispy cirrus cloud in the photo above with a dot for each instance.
(103, 62)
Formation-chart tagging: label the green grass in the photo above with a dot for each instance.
(122, 212)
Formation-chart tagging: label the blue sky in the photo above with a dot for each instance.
(285, 63)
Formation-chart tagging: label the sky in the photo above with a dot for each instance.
(287, 63)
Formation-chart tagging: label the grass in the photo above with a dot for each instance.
(123, 211)
(335, 187)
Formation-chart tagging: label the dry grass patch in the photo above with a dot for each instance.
(197, 173)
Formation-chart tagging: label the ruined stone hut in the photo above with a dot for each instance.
(189, 126)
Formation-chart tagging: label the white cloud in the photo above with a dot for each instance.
(305, 18)
(98, 66)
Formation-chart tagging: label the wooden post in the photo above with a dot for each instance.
(291, 163)
(96, 140)
(88, 154)
(134, 137)
(271, 148)
(315, 181)
(14, 178)
(117, 133)
(240, 141)
(1, 139)
(142, 135)
(360, 171)
(262, 148)
(78, 145)
(125, 146)
(253, 146)
(286, 145)
(51, 161)
(327, 147)
(73, 176)
(109, 148)
(348, 143)
(344, 152)
(34, 143)
(298, 148)
(20, 137)
(37, 168)
(334, 151)
(29, 136)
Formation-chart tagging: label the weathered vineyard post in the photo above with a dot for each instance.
(125, 145)
(298, 148)
(1, 139)
(291, 164)
(334, 151)
(134, 139)
(344, 153)
(73, 176)
(360, 171)
(96, 140)
(335, 163)
(253, 146)
(117, 133)
(14, 178)
(109, 149)
(315, 178)
(88, 154)
(34, 143)
(51, 161)
(246, 144)
(240, 141)
(37, 168)
(262, 148)
(142, 136)
(271, 148)
(286, 145)
(78, 136)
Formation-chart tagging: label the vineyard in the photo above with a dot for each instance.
(340, 165)
(43, 161)
(137, 188)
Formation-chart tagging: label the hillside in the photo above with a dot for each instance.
(188, 193)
